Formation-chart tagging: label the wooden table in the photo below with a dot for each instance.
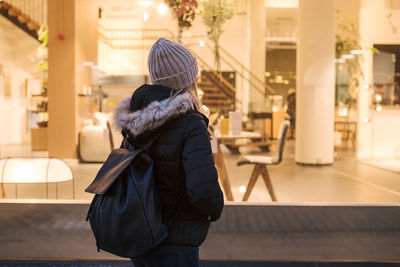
(220, 162)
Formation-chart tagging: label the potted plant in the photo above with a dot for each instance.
(349, 58)
(43, 37)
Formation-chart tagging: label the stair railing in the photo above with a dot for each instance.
(254, 82)
(204, 65)
(142, 39)
(124, 51)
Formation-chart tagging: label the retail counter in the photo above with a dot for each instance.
(386, 133)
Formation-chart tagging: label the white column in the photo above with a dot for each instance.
(315, 82)
(257, 52)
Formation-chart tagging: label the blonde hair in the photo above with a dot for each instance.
(191, 89)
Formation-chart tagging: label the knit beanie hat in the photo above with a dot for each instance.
(171, 64)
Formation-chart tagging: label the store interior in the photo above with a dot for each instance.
(65, 64)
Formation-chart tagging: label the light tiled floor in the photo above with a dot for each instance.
(386, 164)
(347, 180)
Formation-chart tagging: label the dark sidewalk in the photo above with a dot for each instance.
(259, 234)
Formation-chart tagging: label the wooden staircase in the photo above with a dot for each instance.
(218, 95)
(19, 19)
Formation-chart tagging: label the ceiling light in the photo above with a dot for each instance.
(146, 16)
(162, 8)
(145, 4)
(281, 3)
(202, 43)
(378, 108)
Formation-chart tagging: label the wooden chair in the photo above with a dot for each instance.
(261, 163)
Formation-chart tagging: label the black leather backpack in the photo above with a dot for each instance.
(125, 213)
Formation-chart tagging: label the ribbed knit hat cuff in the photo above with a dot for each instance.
(179, 80)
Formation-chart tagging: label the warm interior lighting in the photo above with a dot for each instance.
(282, 3)
(356, 52)
(378, 108)
(347, 56)
(275, 109)
(202, 43)
(88, 63)
(34, 170)
(242, 189)
(343, 112)
(145, 4)
(267, 74)
(378, 98)
(162, 8)
(340, 60)
(146, 16)
(366, 86)
(366, 120)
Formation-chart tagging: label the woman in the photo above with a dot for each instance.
(184, 167)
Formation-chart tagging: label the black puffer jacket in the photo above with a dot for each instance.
(182, 157)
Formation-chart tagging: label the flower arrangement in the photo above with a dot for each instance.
(215, 14)
(184, 11)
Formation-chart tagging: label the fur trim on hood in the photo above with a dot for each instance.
(153, 116)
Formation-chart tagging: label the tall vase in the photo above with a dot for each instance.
(180, 34)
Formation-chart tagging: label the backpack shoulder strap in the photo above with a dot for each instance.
(128, 137)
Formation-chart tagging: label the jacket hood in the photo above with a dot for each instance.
(150, 107)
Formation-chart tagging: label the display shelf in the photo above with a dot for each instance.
(37, 114)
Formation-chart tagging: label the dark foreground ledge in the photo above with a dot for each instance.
(115, 263)
(257, 235)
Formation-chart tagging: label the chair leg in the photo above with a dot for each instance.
(268, 182)
(252, 181)
(3, 191)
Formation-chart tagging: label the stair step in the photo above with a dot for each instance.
(217, 98)
(19, 19)
(12, 12)
(214, 92)
(22, 19)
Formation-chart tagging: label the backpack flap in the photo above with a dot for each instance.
(116, 163)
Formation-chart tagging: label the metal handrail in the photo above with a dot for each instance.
(268, 87)
(222, 79)
(250, 74)
(109, 42)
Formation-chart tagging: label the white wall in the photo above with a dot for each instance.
(375, 28)
(385, 134)
(18, 61)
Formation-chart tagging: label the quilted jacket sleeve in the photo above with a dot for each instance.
(203, 190)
